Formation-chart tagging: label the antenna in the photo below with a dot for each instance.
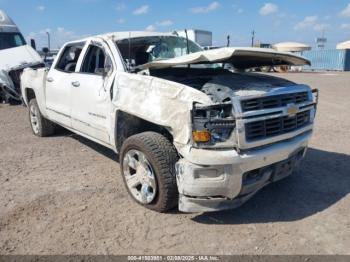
(228, 40)
(188, 48)
(129, 55)
(253, 37)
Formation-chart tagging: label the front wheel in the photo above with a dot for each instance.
(148, 167)
(40, 125)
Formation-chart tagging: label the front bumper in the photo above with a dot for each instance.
(219, 180)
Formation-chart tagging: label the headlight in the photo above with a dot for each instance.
(212, 124)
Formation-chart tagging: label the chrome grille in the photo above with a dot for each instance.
(276, 126)
(273, 101)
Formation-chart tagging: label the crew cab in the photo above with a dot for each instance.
(188, 131)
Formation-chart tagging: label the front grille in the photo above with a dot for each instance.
(273, 101)
(276, 126)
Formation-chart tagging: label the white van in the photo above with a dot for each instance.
(15, 55)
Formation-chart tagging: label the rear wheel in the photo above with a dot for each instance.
(40, 125)
(148, 167)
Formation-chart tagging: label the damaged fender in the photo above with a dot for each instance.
(158, 101)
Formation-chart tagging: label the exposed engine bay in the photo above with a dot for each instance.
(220, 84)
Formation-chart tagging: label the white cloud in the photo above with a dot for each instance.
(345, 26)
(165, 23)
(206, 9)
(120, 7)
(40, 8)
(58, 37)
(346, 11)
(141, 10)
(121, 21)
(311, 22)
(237, 9)
(321, 27)
(268, 9)
(150, 28)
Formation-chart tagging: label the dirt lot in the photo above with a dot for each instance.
(64, 195)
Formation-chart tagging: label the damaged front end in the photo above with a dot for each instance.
(254, 133)
(213, 126)
(12, 63)
(247, 130)
(10, 85)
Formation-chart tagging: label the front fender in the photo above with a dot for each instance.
(158, 101)
(35, 79)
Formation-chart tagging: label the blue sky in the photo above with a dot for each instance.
(273, 21)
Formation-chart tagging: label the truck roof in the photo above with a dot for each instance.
(116, 36)
(6, 23)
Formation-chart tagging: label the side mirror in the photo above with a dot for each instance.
(32, 43)
(45, 50)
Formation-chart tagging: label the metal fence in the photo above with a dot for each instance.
(327, 60)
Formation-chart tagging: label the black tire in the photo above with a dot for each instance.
(44, 127)
(162, 156)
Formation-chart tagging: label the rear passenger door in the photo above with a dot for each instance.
(91, 99)
(58, 84)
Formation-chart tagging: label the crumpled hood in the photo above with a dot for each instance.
(223, 87)
(18, 57)
(241, 58)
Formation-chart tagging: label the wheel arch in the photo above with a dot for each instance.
(28, 95)
(127, 125)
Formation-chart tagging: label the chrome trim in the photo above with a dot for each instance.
(284, 113)
(259, 115)
(308, 104)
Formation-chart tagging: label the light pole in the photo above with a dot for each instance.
(253, 37)
(48, 40)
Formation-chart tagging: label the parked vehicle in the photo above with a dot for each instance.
(201, 37)
(15, 55)
(187, 131)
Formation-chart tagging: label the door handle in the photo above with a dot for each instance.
(75, 83)
(49, 79)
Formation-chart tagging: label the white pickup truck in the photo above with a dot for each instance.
(188, 131)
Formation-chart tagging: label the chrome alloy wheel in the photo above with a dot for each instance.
(139, 176)
(34, 118)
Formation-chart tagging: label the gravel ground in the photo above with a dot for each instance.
(65, 195)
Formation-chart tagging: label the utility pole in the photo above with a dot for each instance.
(48, 40)
(253, 37)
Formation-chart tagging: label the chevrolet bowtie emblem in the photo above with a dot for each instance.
(292, 110)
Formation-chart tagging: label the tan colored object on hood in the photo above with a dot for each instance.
(241, 58)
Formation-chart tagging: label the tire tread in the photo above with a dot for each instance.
(165, 156)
